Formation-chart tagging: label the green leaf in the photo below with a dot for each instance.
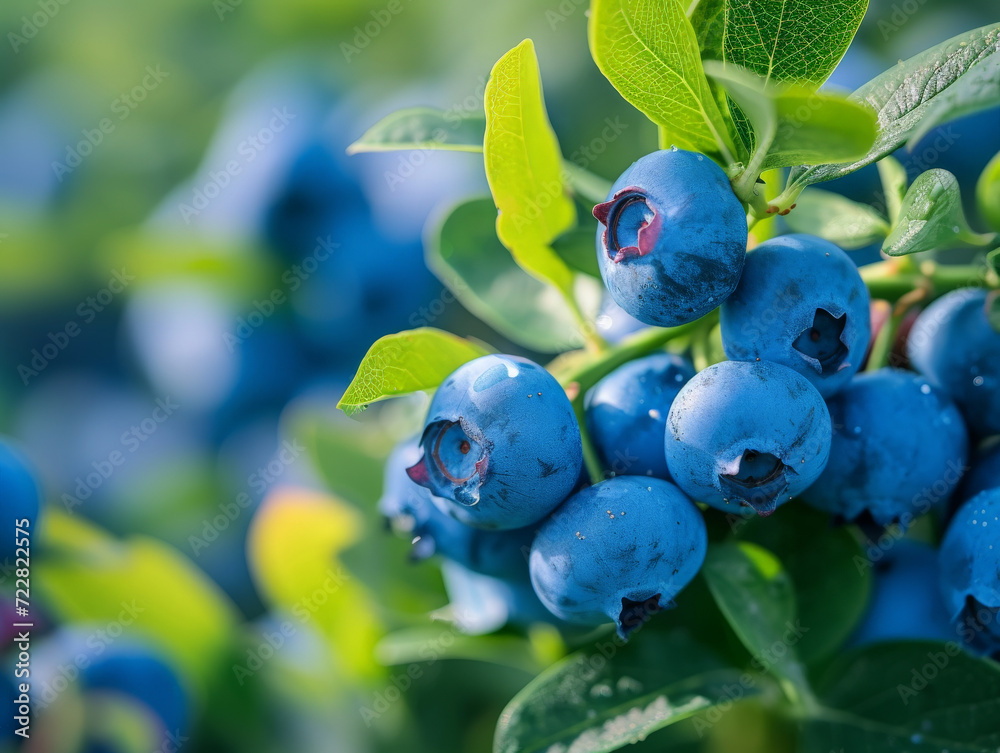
(466, 256)
(89, 576)
(931, 217)
(424, 128)
(907, 93)
(524, 168)
(576, 248)
(755, 594)
(915, 696)
(829, 215)
(613, 695)
(988, 193)
(977, 90)
(798, 41)
(648, 50)
(410, 361)
(794, 124)
(894, 183)
(831, 589)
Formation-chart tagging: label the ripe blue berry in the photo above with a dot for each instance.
(412, 511)
(501, 444)
(620, 550)
(19, 496)
(970, 570)
(747, 436)
(137, 672)
(903, 602)
(672, 238)
(899, 448)
(614, 323)
(627, 413)
(484, 603)
(801, 303)
(954, 346)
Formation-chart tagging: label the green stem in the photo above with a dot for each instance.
(636, 346)
(882, 347)
(891, 280)
(590, 460)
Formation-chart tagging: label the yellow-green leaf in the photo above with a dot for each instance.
(410, 361)
(150, 589)
(649, 52)
(293, 546)
(524, 168)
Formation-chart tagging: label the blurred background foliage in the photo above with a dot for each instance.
(227, 585)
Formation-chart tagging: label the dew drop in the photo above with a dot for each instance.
(978, 381)
(512, 370)
(925, 388)
(654, 414)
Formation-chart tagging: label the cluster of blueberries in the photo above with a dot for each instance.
(494, 482)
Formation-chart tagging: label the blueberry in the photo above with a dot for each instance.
(970, 570)
(672, 238)
(19, 496)
(620, 550)
(747, 436)
(954, 346)
(135, 671)
(899, 449)
(627, 413)
(902, 604)
(801, 303)
(412, 511)
(501, 444)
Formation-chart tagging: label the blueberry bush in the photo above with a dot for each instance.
(699, 509)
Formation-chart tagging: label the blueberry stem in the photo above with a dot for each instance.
(892, 279)
(593, 464)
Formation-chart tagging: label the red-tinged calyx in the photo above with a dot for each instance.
(419, 474)
(632, 226)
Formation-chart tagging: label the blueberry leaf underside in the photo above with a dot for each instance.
(929, 85)
(606, 698)
(931, 217)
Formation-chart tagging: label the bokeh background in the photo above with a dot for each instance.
(191, 269)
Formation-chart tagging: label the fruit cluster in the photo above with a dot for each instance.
(495, 481)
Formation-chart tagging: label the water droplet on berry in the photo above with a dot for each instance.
(925, 388)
